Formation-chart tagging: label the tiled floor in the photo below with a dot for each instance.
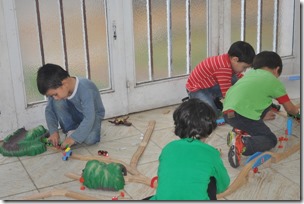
(27, 176)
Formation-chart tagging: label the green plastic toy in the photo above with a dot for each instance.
(99, 175)
(24, 143)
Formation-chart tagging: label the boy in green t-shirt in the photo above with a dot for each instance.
(248, 101)
(190, 169)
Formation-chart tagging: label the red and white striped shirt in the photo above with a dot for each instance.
(211, 71)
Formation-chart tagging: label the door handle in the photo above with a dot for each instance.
(114, 30)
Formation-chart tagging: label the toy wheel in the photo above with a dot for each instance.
(233, 157)
(153, 180)
(64, 158)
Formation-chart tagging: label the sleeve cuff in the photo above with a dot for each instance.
(283, 99)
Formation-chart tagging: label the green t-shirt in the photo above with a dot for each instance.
(253, 93)
(185, 168)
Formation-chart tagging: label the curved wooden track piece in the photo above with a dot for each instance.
(62, 192)
(242, 178)
(143, 144)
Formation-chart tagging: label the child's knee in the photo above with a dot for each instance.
(274, 143)
(92, 140)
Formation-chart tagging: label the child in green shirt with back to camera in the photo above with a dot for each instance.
(247, 102)
(190, 169)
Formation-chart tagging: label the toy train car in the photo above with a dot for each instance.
(67, 153)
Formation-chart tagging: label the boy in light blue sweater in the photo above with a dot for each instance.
(74, 103)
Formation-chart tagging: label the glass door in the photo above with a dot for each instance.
(165, 39)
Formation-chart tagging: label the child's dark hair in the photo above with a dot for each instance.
(50, 76)
(243, 50)
(268, 59)
(194, 119)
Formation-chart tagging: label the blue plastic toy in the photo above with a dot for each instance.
(289, 126)
(220, 121)
(67, 153)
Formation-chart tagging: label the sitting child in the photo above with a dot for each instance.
(74, 103)
(190, 169)
(212, 77)
(247, 102)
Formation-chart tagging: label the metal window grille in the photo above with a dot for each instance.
(88, 65)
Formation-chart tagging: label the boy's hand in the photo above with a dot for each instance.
(297, 116)
(68, 141)
(269, 116)
(54, 139)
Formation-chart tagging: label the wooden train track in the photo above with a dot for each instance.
(242, 178)
(275, 157)
(133, 174)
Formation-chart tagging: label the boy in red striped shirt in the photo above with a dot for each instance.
(211, 78)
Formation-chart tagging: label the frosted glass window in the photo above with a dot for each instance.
(161, 30)
(140, 40)
(264, 24)
(50, 26)
(267, 25)
(97, 43)
(198, 31)
(236, 20)
(251, 11)
(178, 15)
(70, 33)
(29, 46)
(285, 27)
(74, 37)
(159, 39)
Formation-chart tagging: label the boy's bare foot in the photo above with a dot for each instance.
(269, 116)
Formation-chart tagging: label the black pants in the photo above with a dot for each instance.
(211, 190)
(262, 139)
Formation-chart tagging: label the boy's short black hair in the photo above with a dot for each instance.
(268, 59)
(50, 76)
(243, 50)
(194, 119)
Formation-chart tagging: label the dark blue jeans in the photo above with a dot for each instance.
(262, 139)
(208, 95)
(69, 117)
